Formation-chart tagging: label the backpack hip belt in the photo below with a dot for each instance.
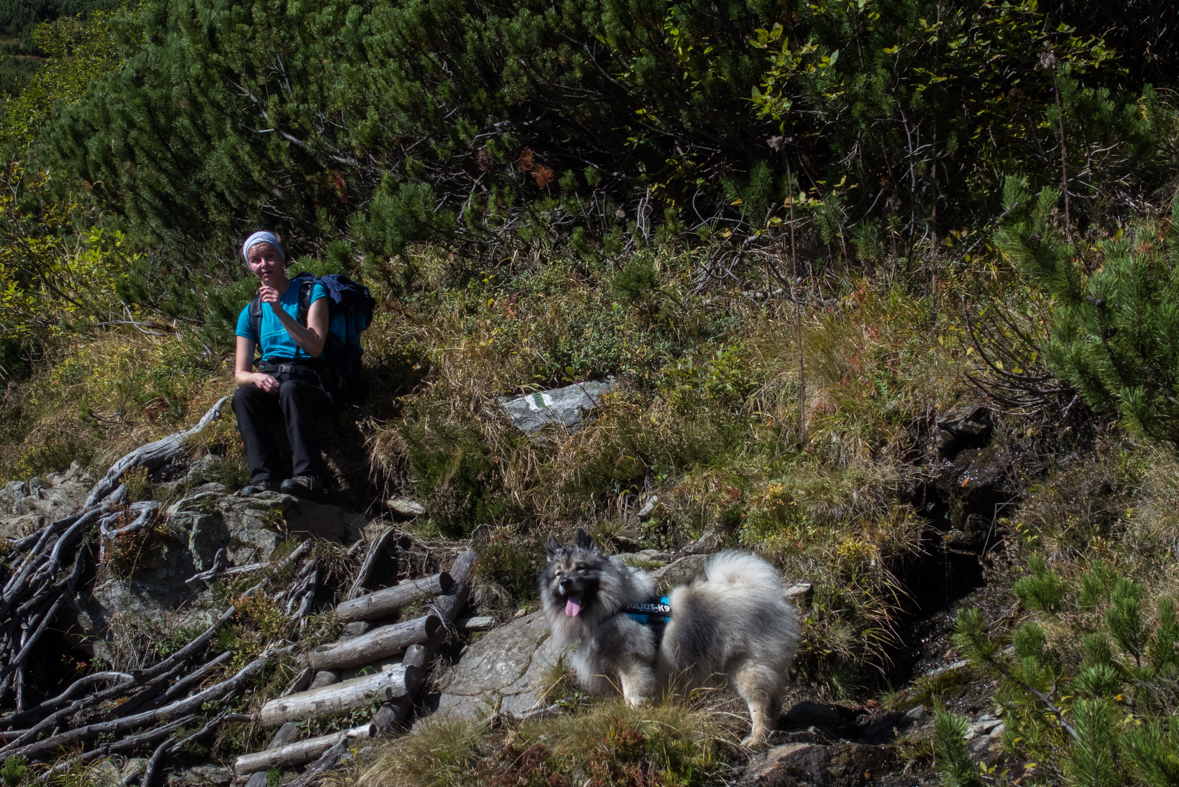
(294, 371)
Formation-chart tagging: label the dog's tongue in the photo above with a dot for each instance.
(573, 606)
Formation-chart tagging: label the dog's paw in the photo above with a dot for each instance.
(635, 701)
(753, 742)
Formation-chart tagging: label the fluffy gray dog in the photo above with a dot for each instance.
(734, 627)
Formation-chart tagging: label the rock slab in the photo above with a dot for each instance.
(27, 506)
(561, 407)
(503, 671)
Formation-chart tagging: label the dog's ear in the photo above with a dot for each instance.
(552, 548)
(583, 540)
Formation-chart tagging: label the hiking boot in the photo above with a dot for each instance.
(302, 486)
(257, 489)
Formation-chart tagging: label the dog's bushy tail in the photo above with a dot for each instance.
(742, 569)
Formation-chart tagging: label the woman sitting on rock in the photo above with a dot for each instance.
(288, 382)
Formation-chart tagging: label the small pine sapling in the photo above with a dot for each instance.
(1043, 590)
(1124, 618)
(1100, 680)
(1096, 584)
(1163, 650)
(14, 772)
(970, 636)
(950, 755)
(1091, 760)
(1033, 663)
(1095, 650)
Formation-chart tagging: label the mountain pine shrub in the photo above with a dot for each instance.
(1114, 332)
(1070, 702)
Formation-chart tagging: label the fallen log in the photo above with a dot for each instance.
(326, 762)
(299, 752)
(370, 560)
(323, 678)
(479, 623)
(448, 607)
(339, 697)
(394, 712)
(390, 600)
(216, 693)
(377, 644)
(452, 603)
(287, 733)
(355, 629)
(301, 682)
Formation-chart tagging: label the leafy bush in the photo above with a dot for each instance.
(611, 127)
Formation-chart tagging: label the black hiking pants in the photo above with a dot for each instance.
(300, 403)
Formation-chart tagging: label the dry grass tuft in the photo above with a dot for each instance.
(606, 744)
(101, 397)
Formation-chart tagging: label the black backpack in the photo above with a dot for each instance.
(350, 312)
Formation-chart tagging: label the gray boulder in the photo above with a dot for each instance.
(505, 671)
(149, 586)
(26, 506)
(251, 527)
(562, 407)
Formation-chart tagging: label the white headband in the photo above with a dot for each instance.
(262, 236)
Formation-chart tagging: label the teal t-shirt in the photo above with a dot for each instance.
(275, 341)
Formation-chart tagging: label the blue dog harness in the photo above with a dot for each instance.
(656, 612)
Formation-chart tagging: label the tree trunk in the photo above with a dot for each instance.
(390, 600)
(377, 644)
(339, 697)
(297, 753)
(287, 733)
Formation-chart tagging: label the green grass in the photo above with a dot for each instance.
(706, 414)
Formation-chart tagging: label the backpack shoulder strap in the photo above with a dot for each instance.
(305, 288)
(256, 321)
(306, 282)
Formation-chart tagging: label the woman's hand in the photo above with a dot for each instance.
(265, 382)
(243, 369)
(269, 295)
(311, 337)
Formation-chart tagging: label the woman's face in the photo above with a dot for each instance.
(265, 262)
